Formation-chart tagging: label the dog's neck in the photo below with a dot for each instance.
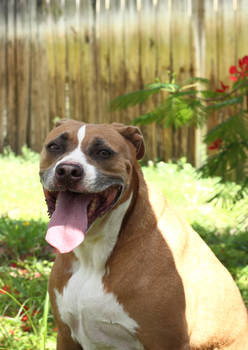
(101, 238)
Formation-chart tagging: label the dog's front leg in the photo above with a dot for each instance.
(66, 343)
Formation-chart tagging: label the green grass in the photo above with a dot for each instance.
(26, 262)
(192, 195)
(25, 259)
(20, 190)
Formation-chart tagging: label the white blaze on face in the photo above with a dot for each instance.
(79, 157)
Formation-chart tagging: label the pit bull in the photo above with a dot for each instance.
(129, 273)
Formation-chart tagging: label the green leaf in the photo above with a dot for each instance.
(233, 128)
(232, 101)
(170, 87)
(145, 119)
(185, 93)
(141, 96)
(197, 80)
(133, 98)
(240, 84)
(209, 94)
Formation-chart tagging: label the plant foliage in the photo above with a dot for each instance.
(191, 103)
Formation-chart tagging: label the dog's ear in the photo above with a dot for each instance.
(134, 135)
(59, 122)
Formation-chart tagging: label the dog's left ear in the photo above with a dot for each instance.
(59, 122)
(134, 135)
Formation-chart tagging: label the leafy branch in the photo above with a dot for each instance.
(191, 103)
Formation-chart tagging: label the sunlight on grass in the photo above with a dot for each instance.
(191, 195)
(20, 190)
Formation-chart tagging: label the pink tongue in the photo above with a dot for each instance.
(69, 222)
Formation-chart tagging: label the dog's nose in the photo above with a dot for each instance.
(69, 172)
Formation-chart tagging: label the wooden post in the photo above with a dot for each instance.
(164, 64)
(22, 74)
(198, 15)
(3, 110)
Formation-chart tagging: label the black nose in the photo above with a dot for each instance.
(69, 172)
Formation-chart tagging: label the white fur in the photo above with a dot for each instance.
(102, 323)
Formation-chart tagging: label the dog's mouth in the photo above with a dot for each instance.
(73, 213)
(99, 203)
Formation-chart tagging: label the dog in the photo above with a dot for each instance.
(129, 273)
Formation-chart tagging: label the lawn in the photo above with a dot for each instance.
(26, 260)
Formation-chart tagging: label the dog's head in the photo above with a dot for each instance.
(85, 170)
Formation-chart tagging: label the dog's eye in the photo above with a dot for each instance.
(104, 153)
(53, 147)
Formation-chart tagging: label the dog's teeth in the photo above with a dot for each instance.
(92, 207)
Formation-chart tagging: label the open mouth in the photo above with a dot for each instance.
(98, 203)
(72, 214)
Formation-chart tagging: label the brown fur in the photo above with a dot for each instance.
(161, 271)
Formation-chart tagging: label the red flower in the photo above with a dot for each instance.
(215, 145)
(25, 307)
(13, 265)
(24, 318)
(223, 87)
(241, 73)
(5, 288)
(233, 70)
(233, 78)
(243, 62)
(26, 328)
(35, 312)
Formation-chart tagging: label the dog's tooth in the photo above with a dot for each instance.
(93, 205)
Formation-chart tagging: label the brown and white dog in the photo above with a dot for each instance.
(130, 274)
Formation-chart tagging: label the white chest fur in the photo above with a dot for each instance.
(96, 319)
